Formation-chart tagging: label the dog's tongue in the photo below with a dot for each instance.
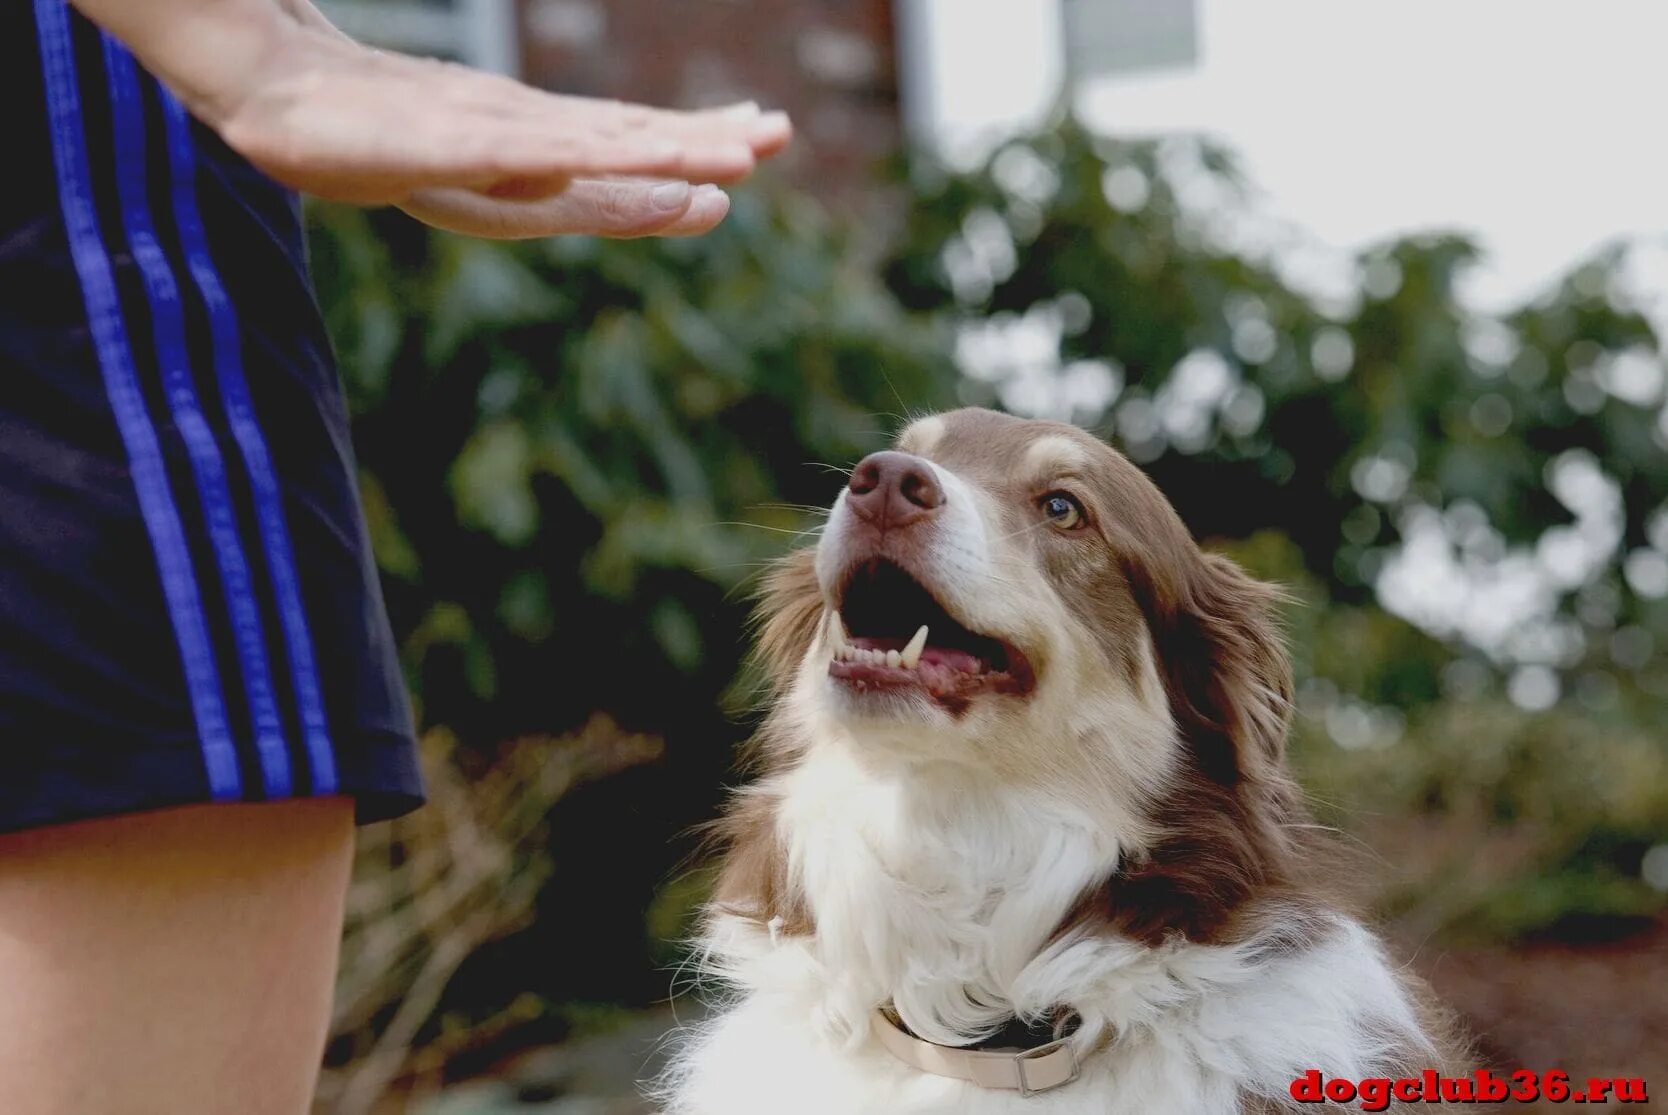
(950, 658)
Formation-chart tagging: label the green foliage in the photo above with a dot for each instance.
(576, 451)
(1515, 824)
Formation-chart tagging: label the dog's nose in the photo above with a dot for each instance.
(892, 489)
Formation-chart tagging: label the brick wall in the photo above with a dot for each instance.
(830, 63)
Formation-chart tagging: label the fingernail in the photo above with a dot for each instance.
(771, 123)
(670, 195)
(744, 110)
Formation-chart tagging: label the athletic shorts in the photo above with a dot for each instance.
(189, 610)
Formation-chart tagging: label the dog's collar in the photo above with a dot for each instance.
(1041, 1068)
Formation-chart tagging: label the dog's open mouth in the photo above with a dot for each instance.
(890, 632)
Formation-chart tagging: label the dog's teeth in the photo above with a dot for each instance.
(893, 658)
(912, 653)
(836, 632)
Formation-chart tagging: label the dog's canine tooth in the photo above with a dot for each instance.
(837, 633)
(912, 653)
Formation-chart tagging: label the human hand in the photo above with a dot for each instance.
(465, 150)
(484, 155)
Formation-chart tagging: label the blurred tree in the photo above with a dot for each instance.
(1109, 283)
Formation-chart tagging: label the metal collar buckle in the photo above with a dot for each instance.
(1039, 1052)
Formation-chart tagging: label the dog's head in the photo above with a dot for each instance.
(1017, 597)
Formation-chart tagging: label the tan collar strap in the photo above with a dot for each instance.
(1026, 1071)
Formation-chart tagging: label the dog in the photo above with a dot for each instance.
(1023, 839)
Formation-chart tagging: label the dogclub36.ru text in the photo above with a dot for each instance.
(1377, 1093)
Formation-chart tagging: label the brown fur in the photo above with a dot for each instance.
(753, 881)
(1230, 819)
(790, 608)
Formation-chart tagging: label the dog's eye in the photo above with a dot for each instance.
(1062, 510)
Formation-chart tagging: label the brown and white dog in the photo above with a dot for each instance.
(1024, 767)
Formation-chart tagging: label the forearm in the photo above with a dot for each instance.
(207, 51)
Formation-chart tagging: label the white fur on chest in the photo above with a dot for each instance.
(1194, 1029)
(931, 892)
(942, 896)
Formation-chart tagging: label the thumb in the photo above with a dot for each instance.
(592, 207)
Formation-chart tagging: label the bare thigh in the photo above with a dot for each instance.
(172, 963)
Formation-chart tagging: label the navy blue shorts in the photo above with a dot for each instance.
(189, 610)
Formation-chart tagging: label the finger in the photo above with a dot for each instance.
(764, 137)
(773, 133)
(528, 129)
(709, 207)
(620, 210)
(711, 137)
(375, 166)
(484, 154)
(763, 133)
(694, 150)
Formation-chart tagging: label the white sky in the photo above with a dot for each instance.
(1536, 126)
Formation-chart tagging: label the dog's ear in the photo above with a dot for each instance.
(1223, 824)
(1223, 656)
(790, 608)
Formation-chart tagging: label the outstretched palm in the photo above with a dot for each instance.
(465, 150)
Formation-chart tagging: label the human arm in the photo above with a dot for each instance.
(475, 152)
